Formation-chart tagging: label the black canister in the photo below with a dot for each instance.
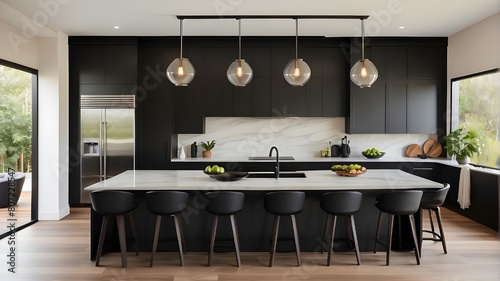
(335, 150)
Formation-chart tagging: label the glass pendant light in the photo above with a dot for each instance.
(180, 72)
(239, 72)
(363, 72)
(297, 72)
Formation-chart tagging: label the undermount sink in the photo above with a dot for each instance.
(282, 175)
(270, 158)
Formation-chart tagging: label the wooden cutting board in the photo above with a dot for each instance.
(432, 148)
(413, 150)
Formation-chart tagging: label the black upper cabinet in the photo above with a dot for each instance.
(413, 73)
(88, 61)
(189, 115)
(120, 64)
(106, 64)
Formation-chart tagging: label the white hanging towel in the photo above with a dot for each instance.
(464, 187)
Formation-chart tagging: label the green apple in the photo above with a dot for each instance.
(208, 169)
(221, 170)
(215, 169)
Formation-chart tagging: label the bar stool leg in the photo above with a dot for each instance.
(155, 240)
(330, 244)
(134, 233)
(440, 224)
(432, 224)
(421, 231)
(414, 233)
(235, 240)
(276, 226)
(389, 238)
(355, 238)
(102, 237)
(296, 238)
(120, 220)
(325, 234)
(212, 240)
(378, 231)
(179, 240)
(182, 233)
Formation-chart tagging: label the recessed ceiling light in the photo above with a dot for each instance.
(401, 27)
(116, 27)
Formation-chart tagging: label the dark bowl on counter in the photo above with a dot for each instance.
(373, 156)
(228, 176)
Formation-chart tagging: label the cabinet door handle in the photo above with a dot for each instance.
(423, 169)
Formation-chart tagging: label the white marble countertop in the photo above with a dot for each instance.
(318, 159)
(373, 179)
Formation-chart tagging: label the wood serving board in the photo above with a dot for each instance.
(413, 150)
(432, 148)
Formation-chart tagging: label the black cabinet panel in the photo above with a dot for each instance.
(189, 116)
(120, 65)
(396, 108)
(286, 100)
(415, 84)
(89, 62)
(314, 97)
(426, 62)
(242, 106)
(422, 108)
(154, 109)
(334, 96)
(368, 106)
(396, 63)
(261, 96)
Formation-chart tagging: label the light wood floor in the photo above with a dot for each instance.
(59, 250)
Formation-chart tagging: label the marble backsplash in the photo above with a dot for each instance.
(298, 137)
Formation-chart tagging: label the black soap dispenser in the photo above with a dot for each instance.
(194, 150)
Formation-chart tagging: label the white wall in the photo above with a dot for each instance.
(475, 49)
(50, 56)
(15, 46)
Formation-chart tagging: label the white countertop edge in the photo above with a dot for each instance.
(373, 179)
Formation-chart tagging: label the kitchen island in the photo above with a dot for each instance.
(255, 225)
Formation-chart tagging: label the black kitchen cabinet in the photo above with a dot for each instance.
(153, 111)
(286, 100)
(188, 109)
(414, 80)
(367, 109)
(106, 64)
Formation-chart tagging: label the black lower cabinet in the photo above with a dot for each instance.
(484, 196)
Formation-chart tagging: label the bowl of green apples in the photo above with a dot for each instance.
(373, 153)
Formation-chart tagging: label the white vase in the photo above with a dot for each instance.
(463, 160)
(182, 153)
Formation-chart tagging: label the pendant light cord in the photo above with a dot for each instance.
(296, 38)
(181, 35)
(239, 39)
(362, 40)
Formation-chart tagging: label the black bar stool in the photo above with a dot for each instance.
(113, 203)
(167, 203)
(225, 203)
(431, 201)
(341, 203)
(400, 203)
(284, 203)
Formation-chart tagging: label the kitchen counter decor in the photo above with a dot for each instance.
(228, 176)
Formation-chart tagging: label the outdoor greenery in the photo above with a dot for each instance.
(15, 119)
(478, 111)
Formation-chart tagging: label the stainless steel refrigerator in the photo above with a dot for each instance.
(107, 138)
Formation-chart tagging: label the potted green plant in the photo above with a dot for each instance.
(463, 144)
(208, 146)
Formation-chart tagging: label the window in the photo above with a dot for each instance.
(18, 141)
(475, 106)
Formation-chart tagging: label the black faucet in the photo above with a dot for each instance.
(277, 167)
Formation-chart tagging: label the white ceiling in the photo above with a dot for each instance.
(157, 17)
